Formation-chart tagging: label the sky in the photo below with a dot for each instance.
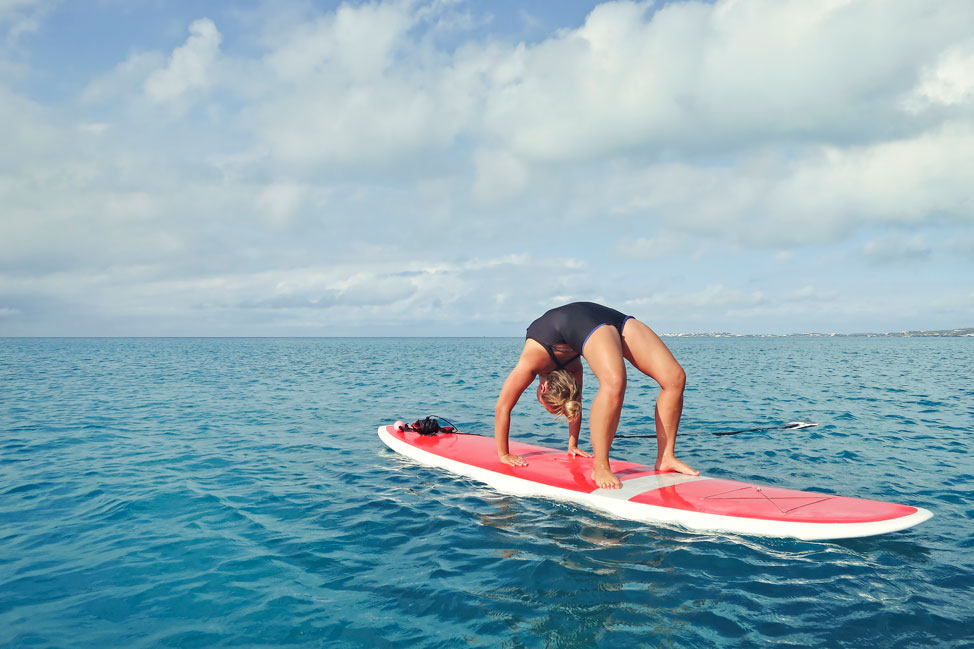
(456, 168)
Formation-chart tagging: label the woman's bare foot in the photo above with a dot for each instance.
(604, 478)
(673, 464)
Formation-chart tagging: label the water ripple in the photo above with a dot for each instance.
(208, 493)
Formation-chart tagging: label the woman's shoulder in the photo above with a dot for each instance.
(534, 355)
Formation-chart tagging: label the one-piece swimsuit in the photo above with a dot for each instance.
(572, 325)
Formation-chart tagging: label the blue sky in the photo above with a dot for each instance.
(443, 167)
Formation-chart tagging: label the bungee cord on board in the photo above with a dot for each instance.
(431, 426)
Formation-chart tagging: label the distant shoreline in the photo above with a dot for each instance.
(940, 333)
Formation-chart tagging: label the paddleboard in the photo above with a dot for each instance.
(647, 495)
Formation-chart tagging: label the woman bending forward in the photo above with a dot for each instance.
(553, 347)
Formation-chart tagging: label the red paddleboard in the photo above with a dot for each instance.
(695, 502)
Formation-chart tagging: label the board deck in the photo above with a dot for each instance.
(647, 495)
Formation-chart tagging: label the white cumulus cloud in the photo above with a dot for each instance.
(947, 83)
(694, 76)
(707, 161)
(190, 66)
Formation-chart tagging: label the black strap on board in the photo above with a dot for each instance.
(431, 426)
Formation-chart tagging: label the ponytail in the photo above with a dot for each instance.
(562, 394)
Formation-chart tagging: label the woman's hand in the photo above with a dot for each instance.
(574, 450)
(513, 460)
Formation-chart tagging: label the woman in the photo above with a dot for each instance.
(554, 344)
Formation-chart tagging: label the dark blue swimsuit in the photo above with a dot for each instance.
(572, 325)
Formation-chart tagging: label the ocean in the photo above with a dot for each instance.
(233, 493)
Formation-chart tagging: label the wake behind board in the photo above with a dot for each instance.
(647, 495)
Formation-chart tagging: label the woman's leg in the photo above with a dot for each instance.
(603, 351)
(644, 349)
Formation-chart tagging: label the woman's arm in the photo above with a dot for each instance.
(517, 381)
(575, 425)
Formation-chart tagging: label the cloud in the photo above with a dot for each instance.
(358, 86)
(896, 249)
(694, 77)
(280, 201)
(94, 128)
(725, 307)
(357, 43)
(810, 294)
(119, 83)
(341, 297)
(364, 125)
(961, 247)
(376, 162)
(822, 196)
(20, 17)
(659, 246)
(500, 176)
(28, 131)
(815, 141)
(362, 289)
(715, 295)
(189, 67)
(949, 82)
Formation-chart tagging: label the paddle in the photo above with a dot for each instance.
(791, 425)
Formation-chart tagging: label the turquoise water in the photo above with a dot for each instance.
(233, 492)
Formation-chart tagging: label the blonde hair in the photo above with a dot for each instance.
(562, 393)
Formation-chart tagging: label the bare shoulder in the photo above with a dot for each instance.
(534, 357)
(521, 376)
(532, 362)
